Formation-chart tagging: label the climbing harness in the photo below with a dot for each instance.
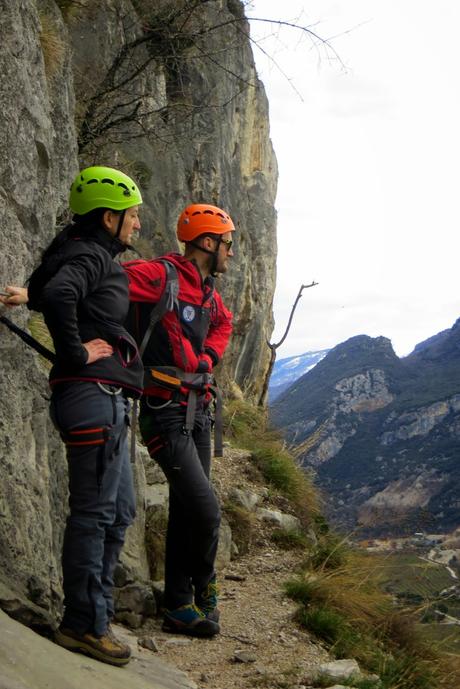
(184, 386)
(188, 387)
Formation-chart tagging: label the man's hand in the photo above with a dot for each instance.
(97, 349)
(14, 296)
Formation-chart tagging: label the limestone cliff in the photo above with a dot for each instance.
(167, 91)
(382, 433)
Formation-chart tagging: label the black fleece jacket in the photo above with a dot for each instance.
(88, 298)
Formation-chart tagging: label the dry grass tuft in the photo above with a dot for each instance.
(247, 427)
(52, 44)
(242, 523)
(347, 608)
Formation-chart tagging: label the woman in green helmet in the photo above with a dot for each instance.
(83, 295)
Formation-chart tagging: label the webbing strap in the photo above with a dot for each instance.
(134, 414)
(218, 422)
(167, 302)
(174, 378)
(191, 411)
(85, 436)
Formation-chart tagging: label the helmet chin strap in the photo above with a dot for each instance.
(116, 241)
(120, 223)
(214, 254)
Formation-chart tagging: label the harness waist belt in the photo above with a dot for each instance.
(173, 378)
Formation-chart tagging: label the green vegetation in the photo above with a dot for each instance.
(247, 426)
(348, 609)
(329, 552)
(343, 593)
(65, 5)
(70, 8)
(407, 574)
(418, 585)
(289, 539)
(445, 637)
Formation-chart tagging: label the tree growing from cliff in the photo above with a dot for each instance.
(173, 40)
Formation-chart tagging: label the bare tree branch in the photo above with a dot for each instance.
(274, 347)
(302, 287)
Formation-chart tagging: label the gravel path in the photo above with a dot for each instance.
(260, 645)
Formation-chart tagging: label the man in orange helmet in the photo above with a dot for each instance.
(181, 340)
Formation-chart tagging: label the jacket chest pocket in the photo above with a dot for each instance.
(195, 322)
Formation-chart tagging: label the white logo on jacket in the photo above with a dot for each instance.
(188, 313)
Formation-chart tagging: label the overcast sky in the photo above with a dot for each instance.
(369, 155)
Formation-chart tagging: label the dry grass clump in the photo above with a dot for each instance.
(242, 524)
(156, 524)
(351, 589)
(40, 332)
(346, 607)
(247, 427)
(52, 44)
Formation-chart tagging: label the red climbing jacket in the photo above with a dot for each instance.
(193, 335)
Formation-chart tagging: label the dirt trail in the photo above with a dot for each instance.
(256, 618)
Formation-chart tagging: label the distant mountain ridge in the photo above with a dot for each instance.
(287, 371)
(382, 433)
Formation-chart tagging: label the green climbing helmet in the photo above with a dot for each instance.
(103, 187)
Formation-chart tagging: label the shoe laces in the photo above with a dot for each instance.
(211, 591)
(110, 635)
(185, 610)
(194, 608)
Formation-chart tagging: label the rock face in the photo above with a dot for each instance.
(159, 90)
(28, 661)
(382, 434)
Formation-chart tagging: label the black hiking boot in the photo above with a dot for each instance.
(190, 620)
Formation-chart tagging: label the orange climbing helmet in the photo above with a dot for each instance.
(201, 218)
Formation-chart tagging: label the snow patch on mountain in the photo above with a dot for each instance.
(287, 371)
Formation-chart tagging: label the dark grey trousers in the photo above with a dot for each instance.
(194, 513)
(101, 500)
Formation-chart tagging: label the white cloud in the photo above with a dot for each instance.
(368, 186)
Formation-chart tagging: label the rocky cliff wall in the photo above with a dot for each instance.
(168, 92)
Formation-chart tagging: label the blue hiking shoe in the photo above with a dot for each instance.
(188, 619)
(207, 601)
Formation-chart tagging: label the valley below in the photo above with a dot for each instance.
(422, 573)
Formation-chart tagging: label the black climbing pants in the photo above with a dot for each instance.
(93, 424)
(194, 512)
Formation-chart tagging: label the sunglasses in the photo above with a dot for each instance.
(228, 243)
